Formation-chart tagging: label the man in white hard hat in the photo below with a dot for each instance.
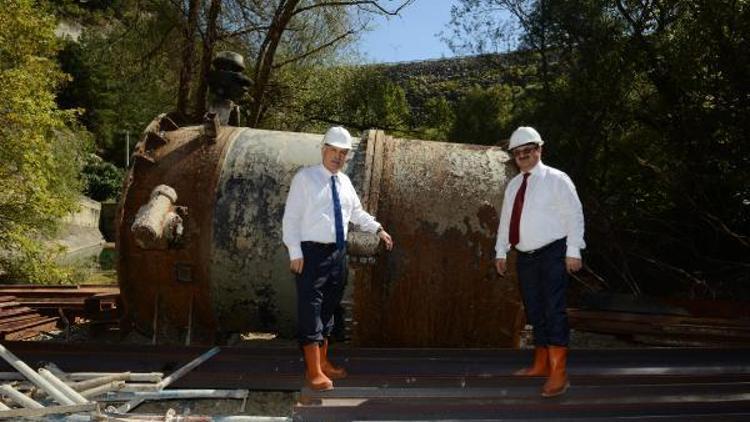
(319, 207)
(542, 219)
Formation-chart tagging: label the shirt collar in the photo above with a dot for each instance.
(539, 169)
(326, 172)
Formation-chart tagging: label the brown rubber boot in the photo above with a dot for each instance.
(540, 367)
(314, 376)
(332, 372)
(557, 383)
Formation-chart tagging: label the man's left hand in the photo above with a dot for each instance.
(386, 238)
(573, 264)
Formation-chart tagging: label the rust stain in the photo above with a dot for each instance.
(438, 287)
(188, 164)
(440, 202)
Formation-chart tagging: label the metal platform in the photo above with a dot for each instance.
(433, 384)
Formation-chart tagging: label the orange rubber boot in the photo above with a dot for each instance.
(314, 376)
(332, 372)
(540, 367)
(557, 383)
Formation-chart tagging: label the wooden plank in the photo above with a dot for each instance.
(35, 301)
(705, 333)
(27, 317)
(4, 313)
(18, 325)
(31, 331)
(656, 319)
(25, 286)
(56, 291)
(32, 286)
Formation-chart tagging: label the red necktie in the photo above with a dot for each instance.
(515, 217)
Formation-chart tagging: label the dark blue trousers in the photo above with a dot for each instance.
(544, 282)
(319, 290)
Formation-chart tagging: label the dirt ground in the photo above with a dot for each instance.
(258, 404)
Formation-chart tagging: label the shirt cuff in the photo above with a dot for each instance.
(295, 252)
(573, 252)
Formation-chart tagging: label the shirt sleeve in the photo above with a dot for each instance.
(360, 217)
(571, 211)
(291, 225)
(502, 245)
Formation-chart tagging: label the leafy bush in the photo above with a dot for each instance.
(482, 116)
(103, 179)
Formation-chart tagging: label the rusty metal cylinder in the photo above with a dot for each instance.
(230, 271)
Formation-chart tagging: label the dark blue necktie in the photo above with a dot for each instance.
(337, 215)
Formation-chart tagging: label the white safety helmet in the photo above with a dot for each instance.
(524, 135)
(338, 137)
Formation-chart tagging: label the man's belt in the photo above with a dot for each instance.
(318, 245)
(537, 251)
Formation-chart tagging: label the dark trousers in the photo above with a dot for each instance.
(544, 281)
(319, 290)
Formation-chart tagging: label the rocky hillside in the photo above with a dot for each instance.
(451, 78)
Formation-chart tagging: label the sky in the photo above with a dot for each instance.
(413, 35)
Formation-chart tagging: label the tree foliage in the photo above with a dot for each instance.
(39, 156)
(647, 106)
(370, 100)
(103, 180)
(122, 73)
(271, 34)
(357, 97)
(481, 116)
(138, 59)
(439, 119)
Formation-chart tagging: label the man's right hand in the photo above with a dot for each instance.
(296, 265)
(500, 266)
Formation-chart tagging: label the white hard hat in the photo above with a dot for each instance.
(338, 137)
(524, 135)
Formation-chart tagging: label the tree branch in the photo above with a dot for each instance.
(314, 50)
(696, 281)
(244, 31)
(373, 3)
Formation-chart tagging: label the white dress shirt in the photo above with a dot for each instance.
(308, 215)
(551, 211)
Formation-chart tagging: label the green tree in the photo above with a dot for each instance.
(440, 118)
(372, 101)
(138, 59)
(39, 157)
(358, 97)
(646, 105)
(103, 179)
(307, 98)
(262, 31)
(482, 116)
(122, 74)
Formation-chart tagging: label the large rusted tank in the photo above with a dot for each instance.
(219, 266)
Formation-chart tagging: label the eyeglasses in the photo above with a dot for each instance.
(525, 150)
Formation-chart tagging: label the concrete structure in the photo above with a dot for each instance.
(79, 232)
